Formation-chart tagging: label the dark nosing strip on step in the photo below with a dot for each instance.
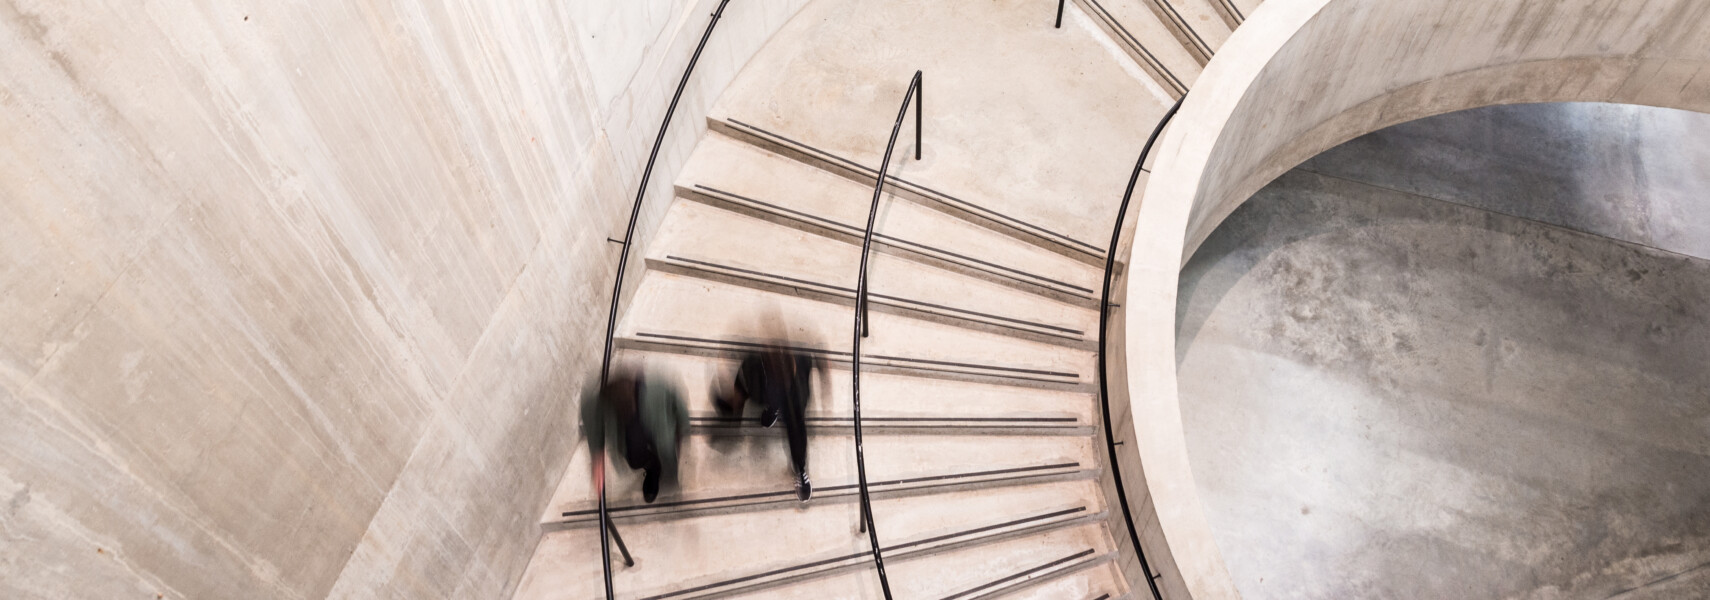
(977, 313)
(1136, 43)
(898, 180)
(911, 419)
(1010, 471)
(977, 530)
(1180, 24)
(900, 428)
(755, 576)
(973, 366)
(895, 241)
(1202, 48)
(918, 427)
(1103, 597)
(1018, 424)
(817, 563)
(835, 488)
(871, 356)
(883, 296)
(796, 213)
(1023, 574)
(1239, 18)
(976, 208)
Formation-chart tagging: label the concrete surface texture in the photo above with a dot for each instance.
(1390, 394)
(1630, 173)
(296, 297)
(981, 422)
(994, 79)
(1302, 76)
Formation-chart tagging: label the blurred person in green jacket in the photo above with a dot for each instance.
(642, 419)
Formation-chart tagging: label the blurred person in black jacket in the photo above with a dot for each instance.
(780, 379)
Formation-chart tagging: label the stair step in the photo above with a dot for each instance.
(890, 394)
(1152, 42)
(587, 513)
(995, 81)
(708, 243)
(1206, 20)
(1034, 573)
(1244, 8)
(1001, 568)
(1100, 581)
(741, 176)
(727, 468)
(881, 424)
(667, 305)
(871, 363)
(896, 186)
(691, 558)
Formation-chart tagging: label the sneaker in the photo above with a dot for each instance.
(804, 488)
(768, 418)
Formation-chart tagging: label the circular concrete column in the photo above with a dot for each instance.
(1302, 76)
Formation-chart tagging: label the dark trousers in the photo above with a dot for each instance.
(641, 456)
(782, 385)
(795, 427)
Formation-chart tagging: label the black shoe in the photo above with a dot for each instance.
(804, 488)
(768, 418)
(650, 487)
(722, 405)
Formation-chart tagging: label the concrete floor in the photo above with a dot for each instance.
(1407, 372)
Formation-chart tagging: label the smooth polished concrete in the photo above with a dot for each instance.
(1392, 395)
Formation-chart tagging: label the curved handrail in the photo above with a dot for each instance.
(1103, 335)
(914, 93)
(623, 262)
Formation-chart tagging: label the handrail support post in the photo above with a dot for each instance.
(612, 527)
(919, 107)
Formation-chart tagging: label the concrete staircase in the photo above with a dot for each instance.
(979, 406)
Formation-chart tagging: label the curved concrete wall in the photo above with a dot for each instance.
(1302, 76)
(296, 297)
(1402, 377)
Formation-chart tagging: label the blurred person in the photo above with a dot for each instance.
(779, 379)
(643, 419)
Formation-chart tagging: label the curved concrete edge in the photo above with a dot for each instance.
(1541, 81)
(1153, 269)
(1291, 83)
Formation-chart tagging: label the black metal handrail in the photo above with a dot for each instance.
(1103, 340)
(917, 96)
(617, 283)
